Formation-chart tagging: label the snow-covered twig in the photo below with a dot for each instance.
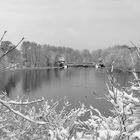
(20, 114)
(25, 103)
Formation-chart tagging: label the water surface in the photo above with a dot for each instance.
(86, 85)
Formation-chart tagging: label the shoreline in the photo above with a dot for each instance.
(71, 66)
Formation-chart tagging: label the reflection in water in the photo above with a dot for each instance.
(33, 79)
(78, 84)
(8, 81)
(123, 78)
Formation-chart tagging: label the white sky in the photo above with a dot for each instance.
(80, 24)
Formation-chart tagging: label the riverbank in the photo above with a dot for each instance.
(107, 68)
(31, 68)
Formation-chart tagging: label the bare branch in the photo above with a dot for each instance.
(3, 36)
(11, 49)
(132, 43)
(138, 53)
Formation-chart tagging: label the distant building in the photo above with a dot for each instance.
(61, 61)
(100, 63)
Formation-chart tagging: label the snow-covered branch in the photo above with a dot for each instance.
(25, 103)
(21, 115)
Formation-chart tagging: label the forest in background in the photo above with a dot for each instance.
(32, 54)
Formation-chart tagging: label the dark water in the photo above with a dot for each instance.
(86, 85)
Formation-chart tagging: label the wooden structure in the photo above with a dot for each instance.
(61, 62)
(100, 63)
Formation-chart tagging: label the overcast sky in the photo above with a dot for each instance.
(80, 24)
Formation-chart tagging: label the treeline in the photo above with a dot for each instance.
(122, 57)
(10, 58)
(47, 55)
(32, 54)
